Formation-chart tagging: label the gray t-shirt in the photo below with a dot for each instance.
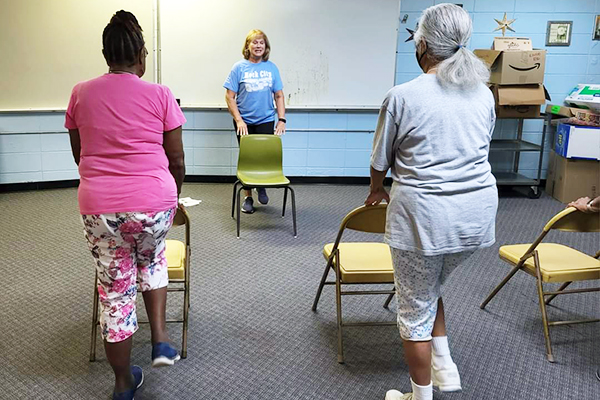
(436, 141)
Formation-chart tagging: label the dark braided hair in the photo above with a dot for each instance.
(122, 39)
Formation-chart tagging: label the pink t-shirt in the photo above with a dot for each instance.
(123, 166)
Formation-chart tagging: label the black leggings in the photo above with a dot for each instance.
(261, 129)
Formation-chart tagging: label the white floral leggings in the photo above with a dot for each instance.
(418, 280)
(129, 248)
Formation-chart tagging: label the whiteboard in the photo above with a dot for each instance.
(48, 46)
(330, 53)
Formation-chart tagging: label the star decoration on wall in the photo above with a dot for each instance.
(411, 33)
(504, 24)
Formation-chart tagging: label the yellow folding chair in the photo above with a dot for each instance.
(362, 263)
(553, 263)
(178, 261)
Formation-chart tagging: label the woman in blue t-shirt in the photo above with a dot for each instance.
(251, 86)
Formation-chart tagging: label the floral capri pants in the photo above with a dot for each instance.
(129, 248)
(418, 280)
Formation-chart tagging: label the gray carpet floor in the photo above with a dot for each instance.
(252, 332)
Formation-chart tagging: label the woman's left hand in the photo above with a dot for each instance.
(280, 128)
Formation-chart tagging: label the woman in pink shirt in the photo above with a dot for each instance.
(126, 138)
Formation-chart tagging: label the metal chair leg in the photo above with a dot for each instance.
(186, 307)
(540, 289)
(239, 205)
(501, 285)
(294, 210)
(389, 300)
(338, 303)
(94, 321)
(321, 286)
(285, 190)
(561, 288)
(233, 199)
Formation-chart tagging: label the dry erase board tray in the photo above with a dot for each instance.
(356, 109)
(222, 107)
(33, 110)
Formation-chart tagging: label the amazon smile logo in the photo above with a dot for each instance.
(535, 66)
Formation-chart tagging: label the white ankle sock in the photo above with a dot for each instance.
(440, 354)
(422, 392)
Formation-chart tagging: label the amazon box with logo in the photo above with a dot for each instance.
(518, 101)
(516, 67)
(512, 43)
(568, 179)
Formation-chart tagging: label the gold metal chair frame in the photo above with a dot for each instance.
(181, 285)
(365, 219)
(570, 220)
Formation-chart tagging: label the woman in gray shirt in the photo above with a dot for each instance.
(434, 134)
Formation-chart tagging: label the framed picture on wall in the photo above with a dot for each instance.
(558, 33)
(596, 35)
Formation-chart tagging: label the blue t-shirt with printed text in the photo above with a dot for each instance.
(254, 84)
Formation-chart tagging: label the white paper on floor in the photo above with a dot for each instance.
(189, 202)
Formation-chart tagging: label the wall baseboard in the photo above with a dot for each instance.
(332, 180)
(343, 180)
(24, 186)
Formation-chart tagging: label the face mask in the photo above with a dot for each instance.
(420, 58)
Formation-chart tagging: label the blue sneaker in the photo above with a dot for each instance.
(138, 380)
(248, 206)
(163, 354)
(262, 196)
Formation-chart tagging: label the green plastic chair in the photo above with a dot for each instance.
(260, 166)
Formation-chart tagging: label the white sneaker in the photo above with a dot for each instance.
(446, 379)
(396, 395)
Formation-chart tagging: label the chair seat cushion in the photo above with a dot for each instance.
(175, 253)
(558, 263)
(364, 262)
(262, 178)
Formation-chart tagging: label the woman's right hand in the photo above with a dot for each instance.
(376, 196)
(242, 128)
(585, 204)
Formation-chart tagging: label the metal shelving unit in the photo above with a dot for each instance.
(517, 146)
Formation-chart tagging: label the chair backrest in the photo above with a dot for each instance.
(569, 220)
(260, 153)
(573, 220)
(183, 218)
(366, 219)
(369, 219)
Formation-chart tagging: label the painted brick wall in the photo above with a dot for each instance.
(35, 147)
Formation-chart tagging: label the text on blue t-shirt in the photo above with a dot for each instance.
(254, 84)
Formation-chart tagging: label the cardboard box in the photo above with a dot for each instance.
(577, 116)
(586, 116)
(518, 101)
(570, 179)
(585, 96)
(512, 43)
(514, 67)
(573, 141)
(559, 110)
